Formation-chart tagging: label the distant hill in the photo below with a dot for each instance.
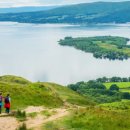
(14, 80)
(98, 12)
(26, 9)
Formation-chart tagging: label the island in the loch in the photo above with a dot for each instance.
(107, 47)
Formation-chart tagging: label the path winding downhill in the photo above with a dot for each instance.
(11, 123)
(40, 120)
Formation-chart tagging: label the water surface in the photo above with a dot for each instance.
(32, 51)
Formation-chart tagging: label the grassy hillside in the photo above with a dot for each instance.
(92, 118)
(83, 113)
(107, 116)
(122, 105)
(14, 80)
(68, 95)
(24, 93)
(98, 12)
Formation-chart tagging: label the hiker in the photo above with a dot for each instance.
(1, 98)
(7, 103)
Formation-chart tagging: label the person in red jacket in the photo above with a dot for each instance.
(7, 103)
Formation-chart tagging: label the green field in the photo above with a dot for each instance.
(124, 86)
(125, 90)
(111, 47)
(121, 85)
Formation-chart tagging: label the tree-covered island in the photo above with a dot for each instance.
(107, 47)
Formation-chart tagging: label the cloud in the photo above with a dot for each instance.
(15, 3)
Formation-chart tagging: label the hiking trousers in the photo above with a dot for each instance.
(7, 110)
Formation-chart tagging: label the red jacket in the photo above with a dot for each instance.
(7, 105)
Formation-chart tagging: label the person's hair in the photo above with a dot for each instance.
(0, 93)
(8, 95)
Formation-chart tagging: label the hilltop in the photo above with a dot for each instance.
(98, 12)
(26, 9)
(25, 93)
(9, 79)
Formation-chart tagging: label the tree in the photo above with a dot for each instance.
(115, 79)
(114, 87)
(68, 38)
(95, 85)
(129, 79)
(73, 87)
(125, 80)
(102, 80)
(126, 95)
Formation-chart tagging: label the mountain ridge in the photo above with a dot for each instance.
(98, 12)
(25, 9)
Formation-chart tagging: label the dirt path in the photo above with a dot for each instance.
(60, 113)
(40, 120)
(11, 123)
(8, 123)
(32, 109)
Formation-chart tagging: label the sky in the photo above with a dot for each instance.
(17, 3)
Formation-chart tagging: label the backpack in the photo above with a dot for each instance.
(6, 100)
(0, 98)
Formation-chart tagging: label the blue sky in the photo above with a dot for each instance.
(15, 3)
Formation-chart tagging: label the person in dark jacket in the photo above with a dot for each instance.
(7, 103)
(1, 100)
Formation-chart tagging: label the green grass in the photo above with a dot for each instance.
(37, 94)
(92, 118)
(22, 127)
(21, 116)
(33, 94)
(121, 85)
(125, 90)
(14, 80)
(122, 105)
(52, 126)
(68, 95)
(32, 115)
(111, 47)
(48, 113)
(108, 46)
